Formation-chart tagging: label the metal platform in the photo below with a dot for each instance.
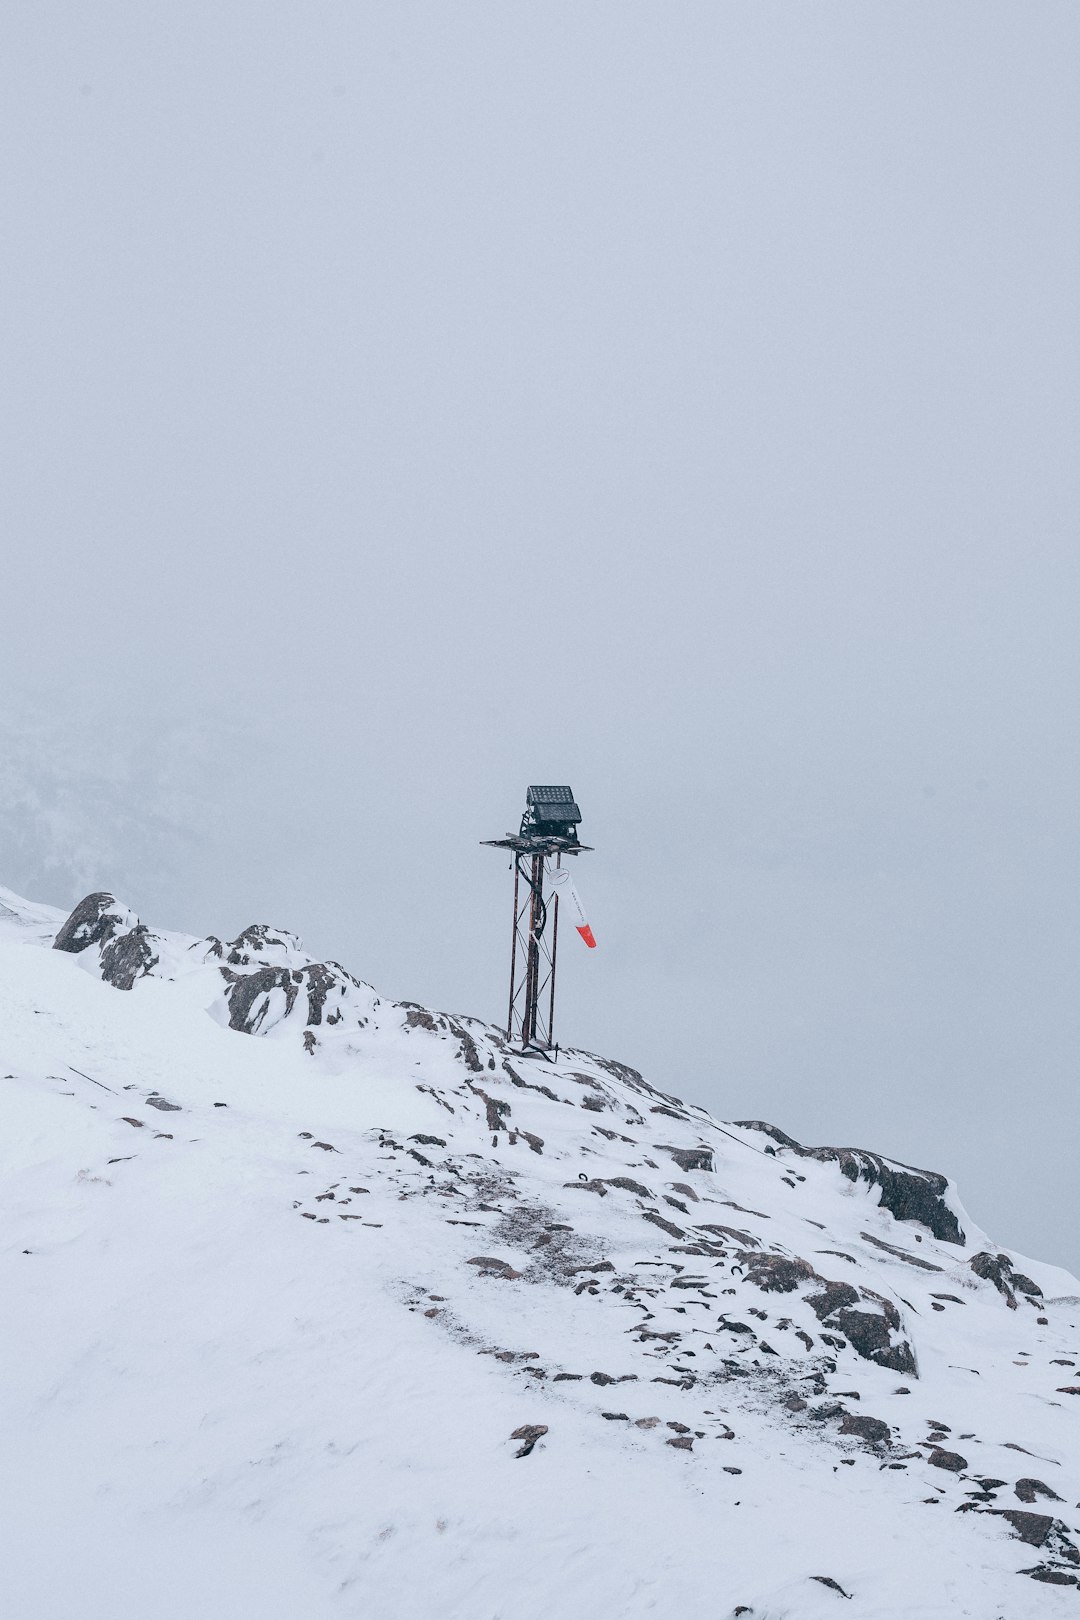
(537, 844)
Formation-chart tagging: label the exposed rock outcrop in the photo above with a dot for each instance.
(999, 1270)
(907, 1193)
(95, 920)
(267, 978)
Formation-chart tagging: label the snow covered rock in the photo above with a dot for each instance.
(268, 981)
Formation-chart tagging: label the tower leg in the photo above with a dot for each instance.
(532, 989)
(513, 958)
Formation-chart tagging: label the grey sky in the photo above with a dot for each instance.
(404, 403)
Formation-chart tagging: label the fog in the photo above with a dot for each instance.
(407, 403)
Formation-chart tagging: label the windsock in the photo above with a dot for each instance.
(563, 885)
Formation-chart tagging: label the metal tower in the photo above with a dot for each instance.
(548, 832)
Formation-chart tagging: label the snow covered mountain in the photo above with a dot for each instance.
(370, 1316)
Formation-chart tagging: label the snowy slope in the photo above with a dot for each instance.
(367, 1315)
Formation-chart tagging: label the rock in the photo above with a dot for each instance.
(907, 1193)
(467, 1052)
(162, 1105)
(529, 1433)
(949, 1460)
(1029, 1489)
(260, 942)
(834, 1297)
(834, 1586)
(94, 921)
(248, 996)
(869, 1328)
(128, 957)
(123, 942)
(323, 981)
(699, 1158)
(870, 1334)
(682, 1442)
(665, 1226)
(489, 1266)
(775, 1273)
(873, 1430)
(998, 1269)
(419, 1017)
(768, 1130)
(1040, 1530)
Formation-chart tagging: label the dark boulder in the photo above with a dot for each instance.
(529, 1434)
(127, 957)
(94, 921)
(699, 1158)
(1029, 1489)
(867, 1321)
(869, 1333)
(871, 1429)
(775, 1273)
(124, 944)
(951, 1461)
(834, 1297)
(1040, 1530)
(998, 1269)
(248, 995)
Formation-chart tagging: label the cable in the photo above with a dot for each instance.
(538, 894)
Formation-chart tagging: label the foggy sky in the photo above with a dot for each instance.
(406, 403)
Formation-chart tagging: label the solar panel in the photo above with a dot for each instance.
(550, 795)
(552, 807)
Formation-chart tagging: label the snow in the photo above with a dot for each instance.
(226, 1392)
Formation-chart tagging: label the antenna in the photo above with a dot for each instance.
(548, 832)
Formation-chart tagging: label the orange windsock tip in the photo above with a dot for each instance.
(588, 936)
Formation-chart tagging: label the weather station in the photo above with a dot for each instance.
(542, 884)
